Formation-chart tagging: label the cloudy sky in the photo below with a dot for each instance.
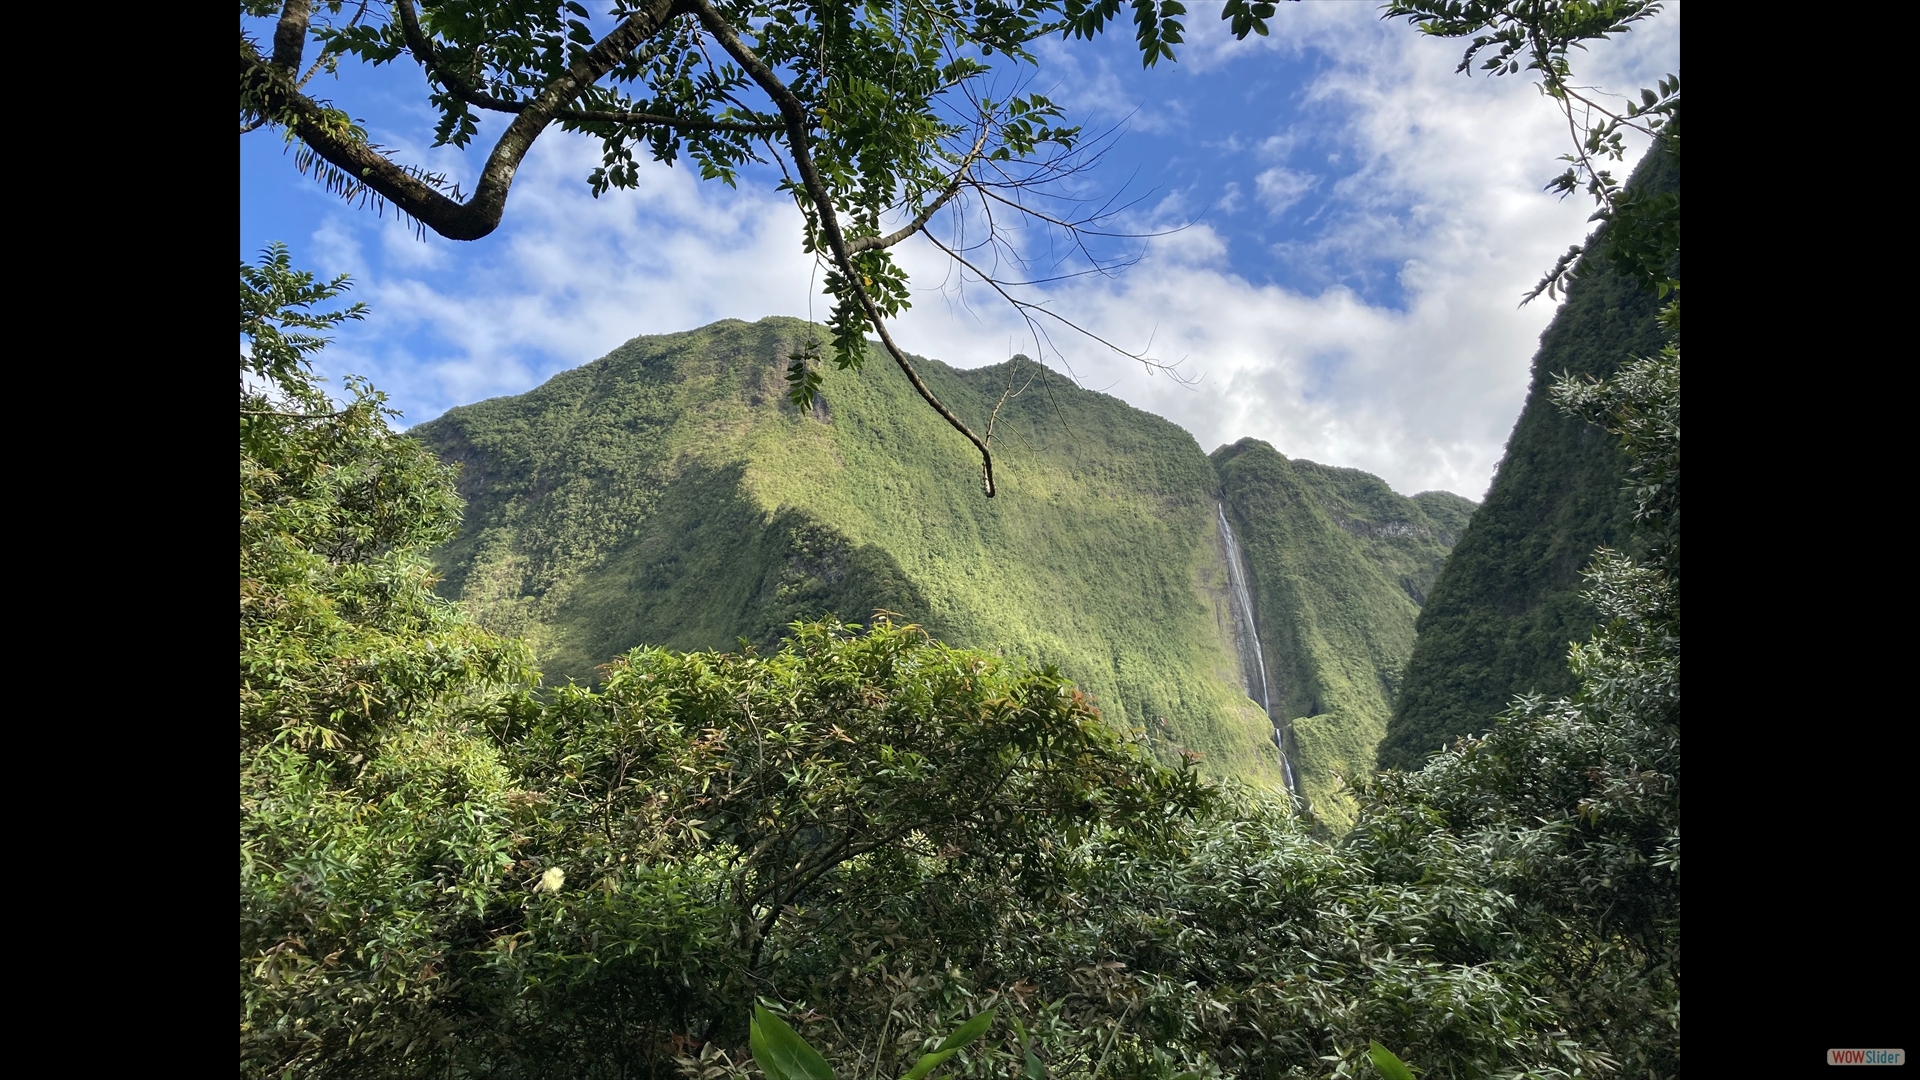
(1344, 229)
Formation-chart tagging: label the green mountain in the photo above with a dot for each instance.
(1338, 564)
(1508, 602)
(669, 494)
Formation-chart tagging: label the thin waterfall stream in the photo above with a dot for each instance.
(1247, 636)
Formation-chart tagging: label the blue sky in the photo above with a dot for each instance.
(1346, 227)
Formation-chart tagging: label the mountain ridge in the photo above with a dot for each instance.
(669, 494)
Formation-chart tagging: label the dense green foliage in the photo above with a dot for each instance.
(1569, 810)
(669, 494)
(341, 631)
(370, 811)
(783, 1055)
(1508, 602)
(870, 837)
(448, 872)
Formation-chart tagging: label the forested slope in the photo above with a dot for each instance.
(669, 494)
(1337, 562)
(1507, 604)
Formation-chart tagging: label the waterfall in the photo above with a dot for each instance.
(1243, 609)
(1247, 636)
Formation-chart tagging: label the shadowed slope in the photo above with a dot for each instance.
(1507, 604)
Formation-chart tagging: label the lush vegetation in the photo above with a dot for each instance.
(1509, 601)
(374, 813)
(670, 494)
(447, 870)
(897, 854)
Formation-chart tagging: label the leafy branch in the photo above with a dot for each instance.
(1509, 36)
(870, 112)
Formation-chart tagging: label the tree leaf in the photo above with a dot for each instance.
(782, 1053)
(969, 1031)
(1390, 1066)
(928, 1064)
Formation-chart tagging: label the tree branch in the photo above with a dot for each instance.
(687, 123)
(323, 60)
(297, 416)
(864, 243)
(1024, 306)
(796, 119)
(422, 47)
(290, 35)
(272, 90)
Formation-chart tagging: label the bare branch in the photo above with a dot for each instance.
(798, 146)
(1077, 228)
(1024, 307)
(863, 243)
(1007, 395)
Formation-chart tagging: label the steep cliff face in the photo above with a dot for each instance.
(668, 494)
(1507, 604)
(1337, 563)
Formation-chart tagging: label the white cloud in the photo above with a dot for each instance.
(567, 279)
(1279, 147)
(1447, 187)
(1280, 188)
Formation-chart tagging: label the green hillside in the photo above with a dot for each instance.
(669, 494)
(1505, 608)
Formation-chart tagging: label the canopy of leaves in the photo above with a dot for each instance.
(370, 815)
(341, 632)
(876, 113)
